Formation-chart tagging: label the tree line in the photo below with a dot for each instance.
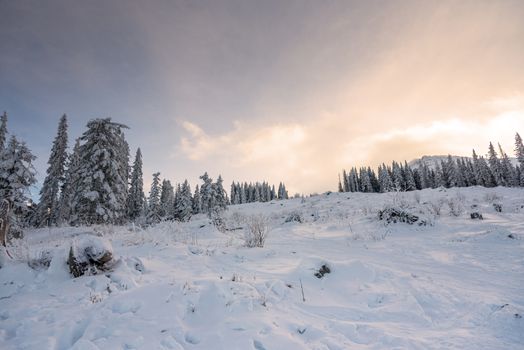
(95, 184)
(494, 170)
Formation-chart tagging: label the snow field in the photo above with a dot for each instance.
(456, 283)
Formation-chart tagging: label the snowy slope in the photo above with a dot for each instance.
(456, 284)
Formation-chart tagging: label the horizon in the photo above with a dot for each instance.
(273, 92)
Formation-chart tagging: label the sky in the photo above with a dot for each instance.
(290, 91)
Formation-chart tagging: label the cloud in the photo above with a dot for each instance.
(309, 155)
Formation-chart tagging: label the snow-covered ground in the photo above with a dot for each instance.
(455, 283)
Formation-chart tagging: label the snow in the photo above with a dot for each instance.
(455, 284)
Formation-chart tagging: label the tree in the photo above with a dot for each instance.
(519, 152)
(17, 174)
(101, 193)
(135, 199)
(206, 194)
(184, 204)
(3, 130)
(220, 195)
(154, 209)
(167, 200)
(48, 207)
(495, 166)
(197, 205)
(70, 182)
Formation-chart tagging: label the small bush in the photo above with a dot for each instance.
(436, 206)
(456, 206)
(324, 269)
(256, 231)
(497, 207)
(294, 217)
(394, 215)
(476, 216)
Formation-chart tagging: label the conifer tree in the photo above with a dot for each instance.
(3, 130)
(197, 207)
(101, 193)
(135, 199)
(184, 205)
(496, 168)
(167, 200)
(17, 174)
(206, 194)
(70, 182)
(153, 208)
(48, 206)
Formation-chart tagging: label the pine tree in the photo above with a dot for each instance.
(48, 207)
(519, 152)
(154, 208)
(197, 206)
(220, 195)
(70, 182)
(17, 174)
(101, 194)
(508, 170)
(384, 179)
(496, 168)
(167, 200)
(135, 199)
(409, 179)
(206, 194)
(3, 130)
(184, 205)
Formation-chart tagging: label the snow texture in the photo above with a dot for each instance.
(456, 283)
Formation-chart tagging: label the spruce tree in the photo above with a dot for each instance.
(48, 206)
(17, 174)
(68, 187)
(167, 200)
(197, 207)
(154, 209)
(3, 130)
(495, 166)
(135, 199)
(101, 193)
(206, 194)
(184, 205)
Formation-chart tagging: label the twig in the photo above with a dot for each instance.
(302, 288)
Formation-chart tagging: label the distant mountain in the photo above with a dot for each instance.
(430, 161)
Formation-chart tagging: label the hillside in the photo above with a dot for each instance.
(445, 282)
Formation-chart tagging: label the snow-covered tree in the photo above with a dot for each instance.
(101, 193)
(3, 130)
(167, 200)
(495, 166)
(220, 195)
(519, 152)
(68, 187)
(196, 204)
(184, 203)
(154, 208)
(206, 194)
(17, 174)
(135, 199)
(48, 206)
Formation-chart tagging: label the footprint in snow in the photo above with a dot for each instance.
(258, 345)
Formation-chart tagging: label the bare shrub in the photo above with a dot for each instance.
(256, 231)
(436, 206)
(492, 197)
(295, 216)
(456, 205)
